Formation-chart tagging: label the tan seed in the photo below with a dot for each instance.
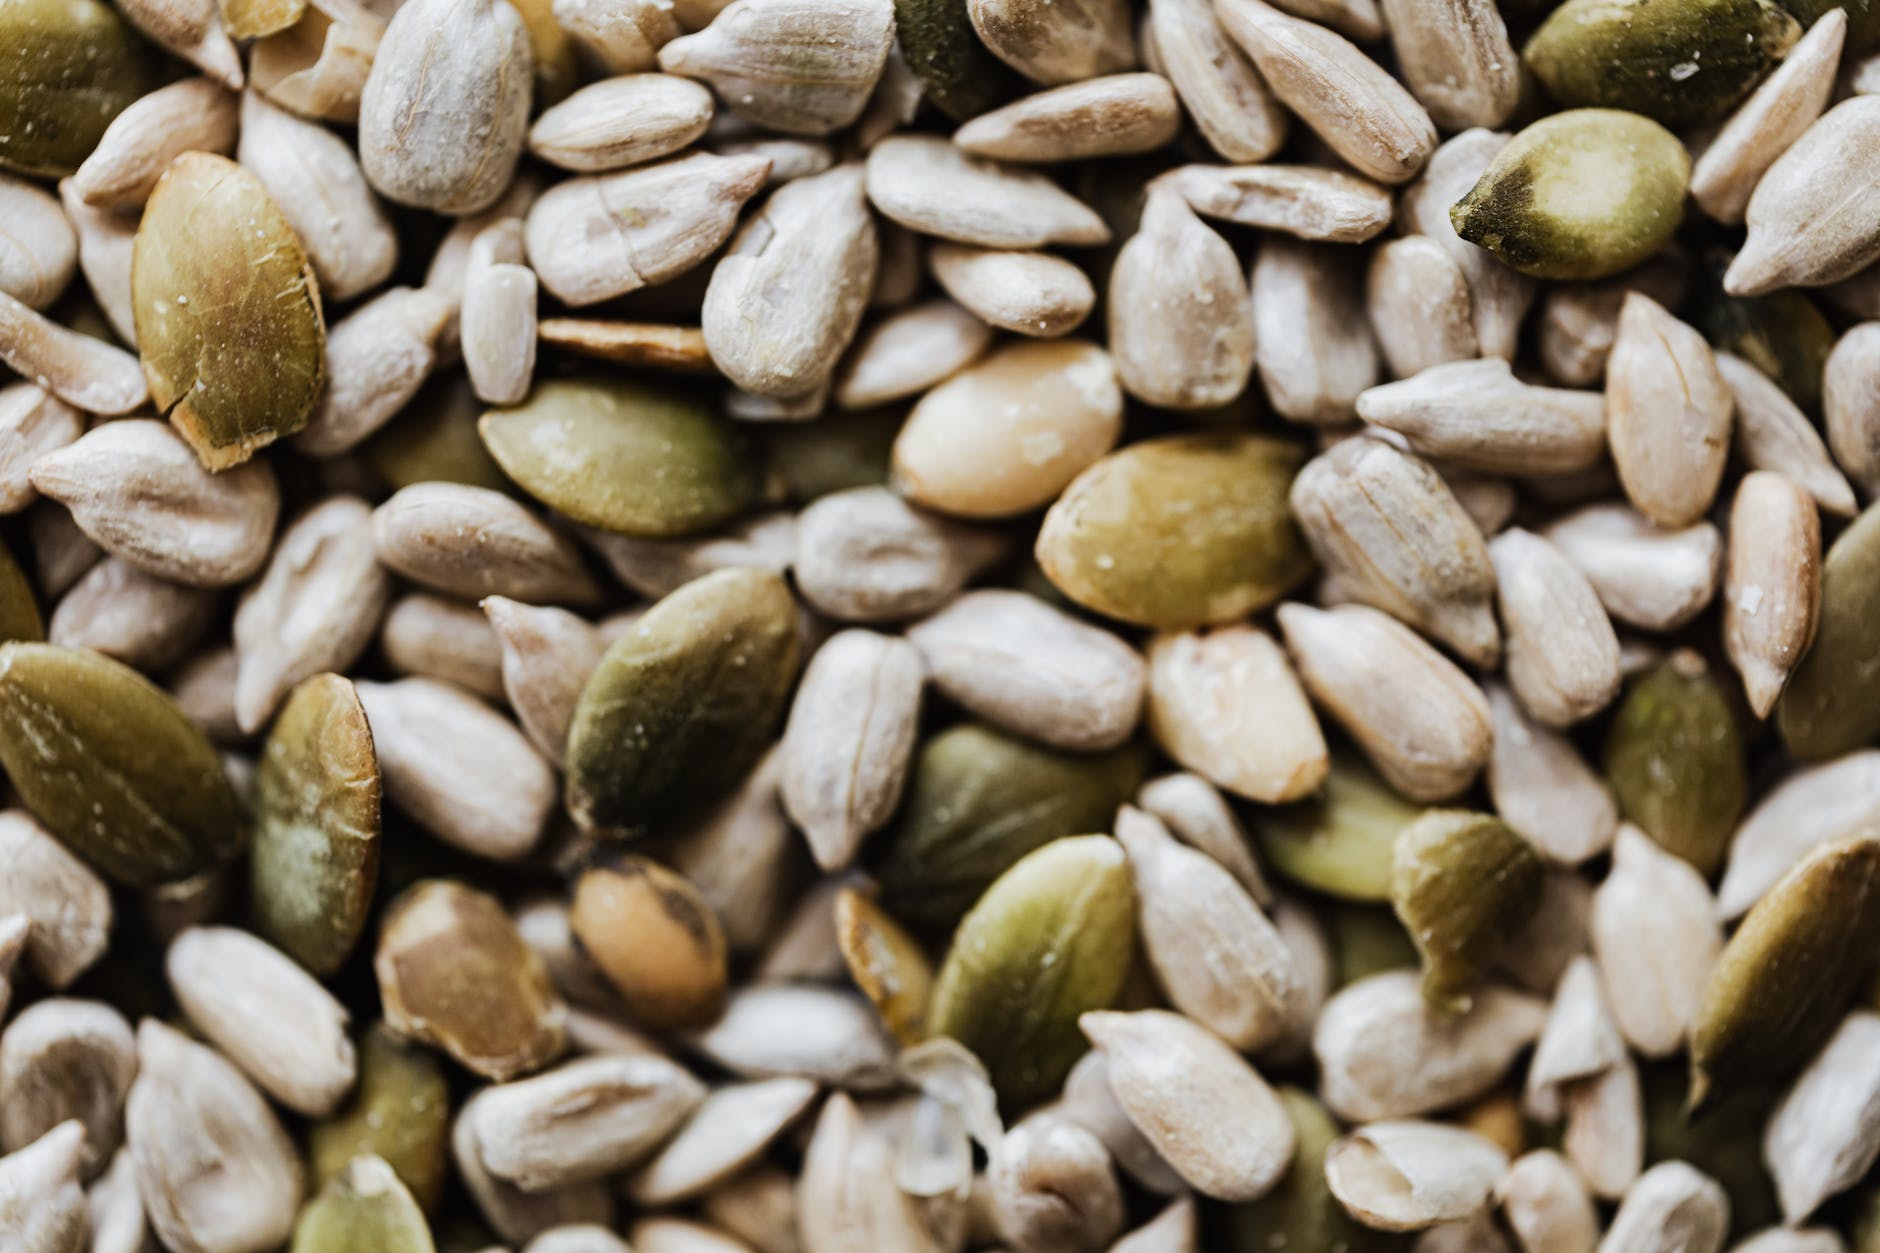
(1032, 293)
(804, 67)
(928, 185)
(473, 542)
(1655, 933)
(40, 250)
(42, 1205)
(1406, 1176)
(622, 121)
(1478, 416)
(1501, 295)
(867, 555)
(1543, 788)
(1304, 201)
(496, 321)
(377, 357)
(86, 373)
(1804, 227)
(318, 66)
(192, 29)
(1773, 434)
(1181, 327)
(1814, 806)
(66, 1059)
(1230, 103)
(1667, 414)
(1314, 345)
(441, 639)
(142, 621)
(1419, 306)
(547, 656)
(1114, 115)
(1227, 705)
(67, 905)
(1060, 42)
(726, 1132)
(1051, 1187)
(1645, 575)
(1562, 656)
(908, 352)
(1673, 1205)
(654, 939)
(1772, 588)
(624, 36)
(106, 242)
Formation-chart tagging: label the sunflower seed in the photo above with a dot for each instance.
(1180, 324)
(1648, 577)
(724, 1134)
(624, 36)
(1804, 230)
(32, 423)
(473, 542)
(1051, 1187)
(1672, 1206)
(801, 68)
(1229, 102)
(1820, 1138)
(547, 655)
(1543, 788)
(441, 639)
(909, 352)
(318, 66)
(117, 1212)
(1032, 293)
(1656, 937)
(1547, 1205)
(515, 1215)
(1667, 414)
(1304, 201)
(784, 1029)
(623, 121)
(1477, 415)
(377, 357)
(41, 250)
(192, 30)
(1853, 417)
(1418, 301)
(1580, 1040)
(1204, 691)
(86, 373)
(1113, 115)
(1772, 588)
(1314, 345)
(42, 1208)
(1812, 807)
(928, 185)
(847, 1200)
(66, 1059)
(1562, 655)
(68, 906)
(1773, 434)
(1456, 58)
(1056, 43)
(1089, 1101)
(1405, 1176)
(142, 621)
(1578, 320)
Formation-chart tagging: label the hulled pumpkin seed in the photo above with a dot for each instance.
(1674, 757)
(364, 1207)
(1343, 841)
(232, 337)
(654, 938)
(1461, 883)
(958, 72)
(399, 1112)
(70, 69)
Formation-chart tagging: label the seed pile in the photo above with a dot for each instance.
(913, 626)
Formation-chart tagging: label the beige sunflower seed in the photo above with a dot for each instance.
(107, 240)
(1850, 406)
(1418, 302)
(1645, 576)
(1546, 1205)
(1580, 1040)
(623, 36)
(1304, 201)
(116, 1211)
(40, 250)
(1455, 57)
(1181, 327)
(1314, 346)
(1387, 525)
(473, 542)
(1812, 807)
(66, 1059)
(1349, 101)
(590, 239)
(677, 349)
(1766, 124)
(1655, 934)
(1771, 433)
(725, 1133)
(1204, 1109)
(1198, 815)
(739, 856)
(1805, 229)
(1667, 414)
(195, 114)
(318, 66)
(515, 1215)
(269, 1016)
(496, 321)
(908, 352)
(547, 655)
(42, 1206)
(987, 443)
(1230, 103)
(1032, 293)
(1217, 957)
(578, 1238)
(1772, 587)
(1227, 705)
(784, 1029)
(68, 906)
(188, 1106)
(62, 552)
(445, 107)
(1384, 1053)
(1089, 1101)
(1543, 788)
(1174, 1230)
(928, 185)
(1578, 320)
(1562, 656)
(32, 423)
(192, 30)
(1500, 296)
(463, 771)
(1406, 1176)
(1051, 1187)
(1058, 42)
(1477, 415)
(377, 356)
(144, 622)
(1604, 1136)
(137, 490)
(1113, 115)
(787, 298)
(622, 121)
(807, 945)
(1424, 724)
(86, 373)
(1672, 1206)
(1822, 1136)
(441, 639)
(314, 609)
(1022, 664)
(1785, 1240)
(790, 159)
(797, 67)
(582, 1121)
(847, 1200)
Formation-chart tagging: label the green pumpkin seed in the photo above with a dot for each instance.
(1582, 194)
(1680, 62)
(67, 67)
(1049, 940)
(1832, 702)
(228, 311)
(365, 1207)
(1179, 532)
(1343, 842)
(1300, 1213)
(1863, 32)
(978, 801)
(315, 861)
(1674, 757)
(832, 454)
(19, 607)
(1786, 977)
(1783, 334)
(682, 705)
(955, 69)
(1366, 941)
(112, 767)
(635, 457)
(400, 1112)
(1461, 883)
(435, 440)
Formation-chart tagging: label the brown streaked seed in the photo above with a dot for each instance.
(651, 345)
(654, 938)
(1667, 414)
(1230, 103)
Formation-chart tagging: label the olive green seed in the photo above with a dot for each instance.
(364, 1207)
(1461, 883)
(67, 68)
(1675, 759)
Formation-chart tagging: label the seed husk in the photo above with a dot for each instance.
(1677, 64)
(1804, 227)
(189, 1105)
(1675, 759)
(365, 1206)
(399, 1112)
(1667, 414)
(684, 702)
(112, 767)
(453, 973)
(314, 865)
(1655, 933)
(804, 69)
(1230, 103)
(866, 555)
(1460, 884)
(1407, 1176)
(928, 185)
(980, 800)
(71, 69)
(627, 456)
(1781, 983)
(67, 907)
(42, 1205)
(1049, 940)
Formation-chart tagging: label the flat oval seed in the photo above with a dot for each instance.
(624, 455)
(1230, 103)
(804, 67)
(1477, 415)
(928, 185)
(399, 1111)
(1114, 115)
(1032, 293)
(1667, 414)
(684, 703)
(70, 69)
(1228, 706)
(1655, 933)
(473, 542)
(364, 1207)
(1675, 759)
(232, 337)
(111, 766)
(622, 121)
(1772, 589)
(654, 938)
(1181, 325)
(40, 249)
(1461, 884)
(1806, 226)
(315, 861)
